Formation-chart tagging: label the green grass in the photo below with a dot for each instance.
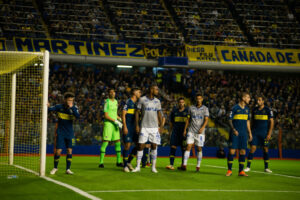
(89, 177)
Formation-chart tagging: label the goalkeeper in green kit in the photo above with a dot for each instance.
(111, 129)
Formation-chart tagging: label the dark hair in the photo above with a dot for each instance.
(180, 98)
(199, 94)
(109, 89)
(69, 95)
(244, 94)
(152, 86)
(261, 96)
(134, 89)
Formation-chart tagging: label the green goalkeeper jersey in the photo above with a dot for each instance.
(111, 107)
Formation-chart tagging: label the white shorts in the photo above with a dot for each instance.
(150, 134)
(194, 138)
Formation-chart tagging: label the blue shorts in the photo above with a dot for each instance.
(259, 139)
(131, 137)
(61, 141)
(177, 139)
(238, 142)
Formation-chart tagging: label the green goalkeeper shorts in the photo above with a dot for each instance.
(111, 132)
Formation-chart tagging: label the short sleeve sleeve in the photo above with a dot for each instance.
(106, 106)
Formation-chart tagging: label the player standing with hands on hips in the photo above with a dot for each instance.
(64, 135)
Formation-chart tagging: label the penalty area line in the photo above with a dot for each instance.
(70, 187)
(192, 190)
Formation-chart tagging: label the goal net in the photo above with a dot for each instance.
(23, 112)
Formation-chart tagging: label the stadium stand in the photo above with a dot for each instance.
(270, 22)
(20, 18)
(207, 22)
(80, 20)
(144, 22)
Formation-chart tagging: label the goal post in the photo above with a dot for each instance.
(23, 112)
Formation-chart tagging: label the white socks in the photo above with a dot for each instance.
(139, 156)
(199, 158)
(186, 157)
(154, 156)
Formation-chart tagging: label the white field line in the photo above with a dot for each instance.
(75, 189)
(192, 190)
(275, 174)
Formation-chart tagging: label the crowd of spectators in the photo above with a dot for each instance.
(20, 18)
(208, 22)
(220, 90)
(145, 22)
(268, 23)
(77, 19)
(271, 22)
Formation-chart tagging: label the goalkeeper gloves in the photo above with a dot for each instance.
(118, 123)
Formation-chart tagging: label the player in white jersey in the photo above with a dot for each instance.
(195, 130)
(151, 125)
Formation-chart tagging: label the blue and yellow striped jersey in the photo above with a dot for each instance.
(130, 108)
(239, 117)
(178, 118)
(260, 120)
(65, 119)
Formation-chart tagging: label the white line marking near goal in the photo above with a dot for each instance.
(75, 189)
(192, 190)
(275, 174)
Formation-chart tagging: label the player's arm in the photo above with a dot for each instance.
(203, 125)
(137, 120)
(106, 116)
(187, 122)
(52, 108)
(206, 115)
(249, 130)
(171, 120)
(124, 112)
(271, 125)
(160, 121)
(75, 111)
(235, 132)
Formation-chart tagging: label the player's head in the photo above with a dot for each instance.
(245, 97)
(153, 89)
(260, 100)
(111, 93)
(69, 98)
(199, 99)
(136, 92)
(181, 102)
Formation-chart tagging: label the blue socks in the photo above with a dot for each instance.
(241, 162)
(250, 158)
(172, 156)
(69, 160)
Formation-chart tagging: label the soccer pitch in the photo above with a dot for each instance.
(112, 183)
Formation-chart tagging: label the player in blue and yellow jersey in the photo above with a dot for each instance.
(64, 136)
(262, 127)
(178, 117)
(129, 134)
(239, 120)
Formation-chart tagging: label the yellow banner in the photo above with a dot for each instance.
(70, 47)
(204, 53)
(258, 56)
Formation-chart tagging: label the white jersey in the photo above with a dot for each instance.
(149, 109)
(197, 116)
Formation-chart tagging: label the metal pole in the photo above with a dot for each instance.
(44, 115)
